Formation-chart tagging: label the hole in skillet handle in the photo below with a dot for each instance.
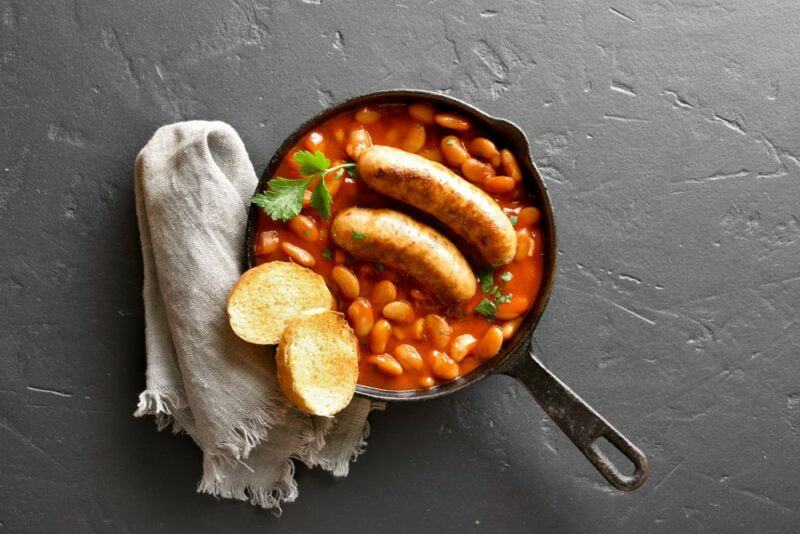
(610, 459)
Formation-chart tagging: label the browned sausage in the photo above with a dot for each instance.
(434, 188)
(390, 237)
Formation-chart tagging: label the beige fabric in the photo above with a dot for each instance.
(193, 183)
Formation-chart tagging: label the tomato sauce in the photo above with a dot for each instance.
(394, 125)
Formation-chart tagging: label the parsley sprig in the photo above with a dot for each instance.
(494, 294)
(283, 198)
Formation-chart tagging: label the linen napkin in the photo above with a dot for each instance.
(193, 183)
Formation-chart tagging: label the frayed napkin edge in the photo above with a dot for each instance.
(166, 405)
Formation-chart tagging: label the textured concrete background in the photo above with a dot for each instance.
(668, 133)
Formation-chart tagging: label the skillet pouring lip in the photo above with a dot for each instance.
(514, 138)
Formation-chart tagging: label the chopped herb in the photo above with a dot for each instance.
(495, 297)
(327, 254)
(451, 142)
(486, 278)
(513, 219)
(284, 198)
(381, 267)
(487, 308)
(352, 172)
(357, 236)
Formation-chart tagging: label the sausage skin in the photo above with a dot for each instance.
(437, 190)
(393, 238)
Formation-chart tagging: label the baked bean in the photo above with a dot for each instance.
(298, 255)
(392, 136)
(415, 138)
(266, 243)
(399, 311)
(416, 294)
(475, 170)
(499, 184)
(360, 314)
(453, 150)
(347, 282)
(512, 309)
(424, 113)
(510, 165)
(408, 357)
(451, 121)
(399, 333)
(444, 367)
(379, 336)
(383, 293)
(305, 227)
(483, 148)
(427, 381)
(461, 346)
(432, 153)
(366, 115)
(439, 330)
(314, 141)
(339, 257)
(418, 329)
(495, 161)
(510, 327)
(386, 364)
(490, 343)
(334, 181)
(528, 216)
(358, 142)
(524, 244)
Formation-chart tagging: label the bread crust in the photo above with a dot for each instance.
(317, 362)
(266, 297)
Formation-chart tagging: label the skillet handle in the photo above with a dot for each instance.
(579, 421)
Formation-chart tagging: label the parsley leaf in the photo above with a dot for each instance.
(283, 198)
(487, 308)
(352, 172)
(321, 199)
(311, 163)
(506, 276)
(486, 278)
(327, 254)
(357, 236)
(513, 219)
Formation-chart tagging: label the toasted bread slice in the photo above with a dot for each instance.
(266, 297)
(317, 362)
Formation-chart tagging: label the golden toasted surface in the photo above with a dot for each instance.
(317, 361)
(266, 297)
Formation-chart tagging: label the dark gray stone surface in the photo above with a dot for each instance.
(668, 132)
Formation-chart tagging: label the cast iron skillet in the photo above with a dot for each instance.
(582, 424)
